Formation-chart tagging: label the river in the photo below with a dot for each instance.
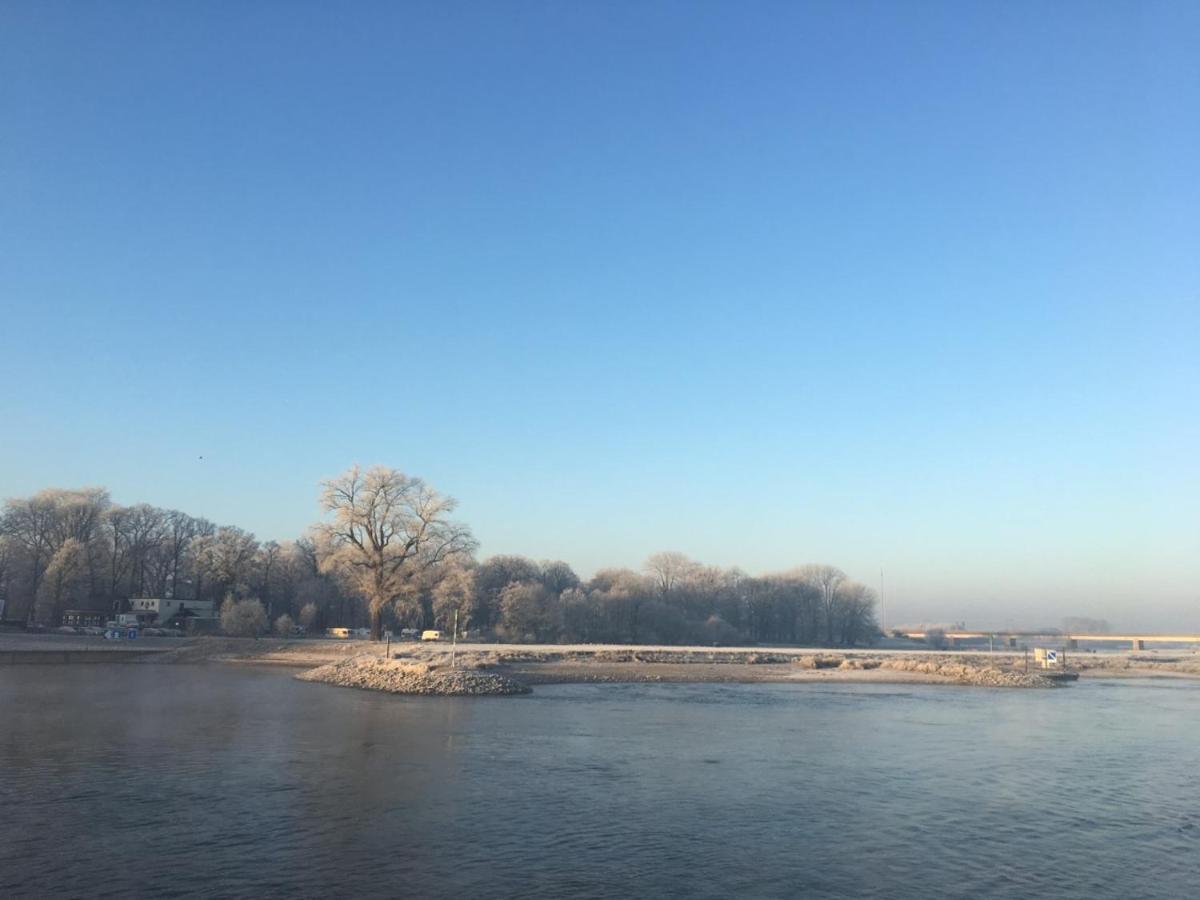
(192, 781)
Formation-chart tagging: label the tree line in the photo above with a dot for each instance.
(389, 554)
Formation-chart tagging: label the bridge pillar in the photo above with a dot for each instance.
(1072, 644)
(1139, 644)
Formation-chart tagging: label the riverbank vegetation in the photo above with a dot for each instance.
(390, 555)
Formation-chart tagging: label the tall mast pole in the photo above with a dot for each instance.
(882, 608)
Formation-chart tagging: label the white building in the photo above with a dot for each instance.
(159, 611)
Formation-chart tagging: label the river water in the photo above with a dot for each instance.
(182, 781)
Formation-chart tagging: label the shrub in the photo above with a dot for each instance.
(718, 632)
(243, 618)
(284, 626)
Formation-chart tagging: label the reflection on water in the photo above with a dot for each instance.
(130, 780)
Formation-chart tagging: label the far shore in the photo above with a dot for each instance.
(540, 664)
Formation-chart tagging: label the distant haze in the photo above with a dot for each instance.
(912, 288)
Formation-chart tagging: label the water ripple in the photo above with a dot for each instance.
(236, 783)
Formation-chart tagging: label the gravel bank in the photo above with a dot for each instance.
(982, 676)
(396, 677)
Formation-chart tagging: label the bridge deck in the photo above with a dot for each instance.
(1130, 638)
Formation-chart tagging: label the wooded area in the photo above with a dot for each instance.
(389, 555)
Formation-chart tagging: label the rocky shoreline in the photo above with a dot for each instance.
(400, 677)
(978, 676)
(697, 665)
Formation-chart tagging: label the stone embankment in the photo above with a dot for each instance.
(399, 677)
(982, 676)
(683, 655)
(956, 670)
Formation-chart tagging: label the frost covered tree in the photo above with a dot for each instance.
(529, 612)
(243, 618)
(65, 582)
(38, 526)
(454, 593)
(492, 576)
(669, 569)
(386, 529)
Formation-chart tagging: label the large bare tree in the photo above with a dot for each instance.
(669, 569)
(825, 580)
(386, 529)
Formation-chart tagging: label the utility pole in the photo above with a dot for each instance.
(882, 608)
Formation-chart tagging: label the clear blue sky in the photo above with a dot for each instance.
(900, 285)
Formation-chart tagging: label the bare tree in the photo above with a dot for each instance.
(386, 530)
(41, 524)
(825, 579)
(668, 569)
(133, 537)
(28, 524)
(224, 558)
(78, 513)
(855, 614)
(7, 555)
(558, 576)
(147, 530)
(181, 529)
(267, 563)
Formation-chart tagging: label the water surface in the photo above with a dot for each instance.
(174, 781)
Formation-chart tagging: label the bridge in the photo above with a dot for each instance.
(1136, 641)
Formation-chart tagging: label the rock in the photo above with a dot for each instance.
(961, 673)
(396, 677)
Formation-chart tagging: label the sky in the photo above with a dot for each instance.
(910, 288)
